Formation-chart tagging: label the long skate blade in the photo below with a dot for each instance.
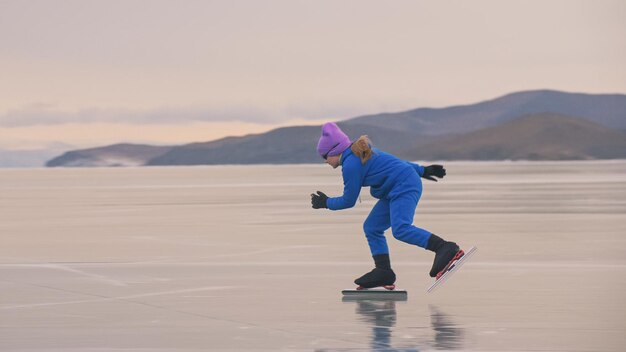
(374, 293)
(453, 269)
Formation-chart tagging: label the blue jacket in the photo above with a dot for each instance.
(386, 174)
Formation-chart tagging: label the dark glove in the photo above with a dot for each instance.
(318, 200)
(434, 170)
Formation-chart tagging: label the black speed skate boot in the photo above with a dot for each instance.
(382, 275)
(445, 252)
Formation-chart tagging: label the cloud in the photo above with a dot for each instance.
(46, 114)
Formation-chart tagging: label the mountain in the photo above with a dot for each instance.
(605, 109)
(415, 134)
(113, 155)
(544, 136)
(288, 145)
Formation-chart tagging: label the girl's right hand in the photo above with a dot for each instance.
(434, 170)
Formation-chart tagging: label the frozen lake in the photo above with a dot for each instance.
(233, 258)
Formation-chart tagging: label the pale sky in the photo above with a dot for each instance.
(88, 73)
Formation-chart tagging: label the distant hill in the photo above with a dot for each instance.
(113, 155)
(416, 134)
(545, 136)
(288, 145)
(608, 110)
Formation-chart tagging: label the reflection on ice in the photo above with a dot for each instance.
(448, 336)
(381, 316)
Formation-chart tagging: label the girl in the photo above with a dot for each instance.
(397, 186)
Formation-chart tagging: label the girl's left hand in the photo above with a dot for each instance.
(318, 201)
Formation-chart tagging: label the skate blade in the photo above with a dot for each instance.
(377, 293)
(453, 268)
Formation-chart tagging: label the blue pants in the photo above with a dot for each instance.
(396, 213)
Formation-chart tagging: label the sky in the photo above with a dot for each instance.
(88, 73)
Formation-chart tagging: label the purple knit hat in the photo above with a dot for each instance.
(333, 141)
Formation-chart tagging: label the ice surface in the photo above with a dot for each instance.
(233, 258)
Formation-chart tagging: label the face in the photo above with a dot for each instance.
(333, 161)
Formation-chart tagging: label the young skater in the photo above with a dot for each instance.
(397, 186)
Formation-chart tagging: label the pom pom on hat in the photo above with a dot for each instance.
(333, 141)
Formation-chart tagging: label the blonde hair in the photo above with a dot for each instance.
(362, 148)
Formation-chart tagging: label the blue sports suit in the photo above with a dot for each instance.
(397, 186)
